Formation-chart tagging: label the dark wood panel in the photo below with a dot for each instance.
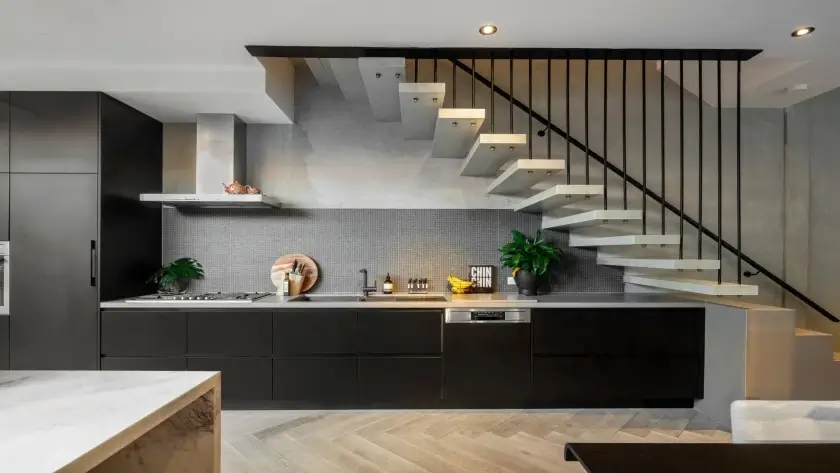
(167, 363)
(4, 131)
(487, 364)
(401, 381)
(618, 331)
(4, 207)
(55, 306)
(54, 132)
(315, 332)
(599, 380)
(131, 164)
(4, 342)
(316, 381)
(400, 332)
(144, 333)
(229, 333)
(243, 379)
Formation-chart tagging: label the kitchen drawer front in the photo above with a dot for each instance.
(144, 333)
(401, 381)
(229, 333)
(243, 379)
(164, 363)
(626, 380)
(315, 332)
(316, 381)
(618, 331)
(400, 332)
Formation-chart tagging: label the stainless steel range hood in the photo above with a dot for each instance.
(220, 160)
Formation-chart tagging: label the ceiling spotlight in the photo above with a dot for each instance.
(804, 31)
(487, 30)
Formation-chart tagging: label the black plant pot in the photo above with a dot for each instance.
(526, 282)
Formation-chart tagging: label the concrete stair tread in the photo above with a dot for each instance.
(578, 241)
(455, 131)
(523, 174)
(559, 196)
(659, 263)
(419, 105)
(381, 78)
(696, 286)
(591, 218)
(490, 152)
(804, 332)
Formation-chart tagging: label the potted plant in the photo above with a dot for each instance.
(176, 276)
(529, 259)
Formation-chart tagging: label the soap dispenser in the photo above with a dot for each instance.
(388, 285)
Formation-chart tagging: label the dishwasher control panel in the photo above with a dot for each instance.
(455, 316)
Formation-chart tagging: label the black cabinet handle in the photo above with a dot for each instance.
(93, 263)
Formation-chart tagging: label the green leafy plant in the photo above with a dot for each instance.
(534, 255)
(176, 273)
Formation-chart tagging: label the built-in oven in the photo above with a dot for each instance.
(487, 357)
(5, 268)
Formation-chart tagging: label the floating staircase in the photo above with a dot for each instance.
(456, 134)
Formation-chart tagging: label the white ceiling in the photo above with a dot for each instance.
(156, 53)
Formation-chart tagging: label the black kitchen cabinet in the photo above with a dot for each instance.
(401, 381)
(229, 333)
(487, 365)
(4, 342)
(54, 132)
(144, 333)
(4, 132)
(167, 363)
(621, 331)
(316, 381)
(4, 207)
(53, 227)
(243, 379)
(400, 332)
(315, 332)
(614, 381)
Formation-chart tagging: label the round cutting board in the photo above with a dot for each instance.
(284, 265)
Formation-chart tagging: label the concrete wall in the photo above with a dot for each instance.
(813, 217)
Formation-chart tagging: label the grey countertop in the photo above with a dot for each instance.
(478, 301)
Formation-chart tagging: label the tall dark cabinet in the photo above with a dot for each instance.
(76, 235)
(4, 213)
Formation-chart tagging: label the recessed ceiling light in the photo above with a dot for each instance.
(804, 31)
(487, 30)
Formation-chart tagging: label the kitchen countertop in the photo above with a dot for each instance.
(73, 420)
(478, 301)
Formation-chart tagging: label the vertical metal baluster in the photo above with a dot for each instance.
(454, 83)
(492, 94)
(624, 128)
(548, 92)
(738, 165)
(435, 70)
(568, 124)
(530, 107)
(511, 94)
(682, 158)
(719, 171)
(606, 119)
(473, 82)
(416, 68)
(644, 145)
(586, 117)
(700, 157)
(662, 136)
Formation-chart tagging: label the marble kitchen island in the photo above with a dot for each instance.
(118, 421)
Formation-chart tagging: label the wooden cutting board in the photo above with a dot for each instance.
(284, 265)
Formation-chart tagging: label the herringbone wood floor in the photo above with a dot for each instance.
(440, 441)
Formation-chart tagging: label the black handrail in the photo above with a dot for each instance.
(658, 199)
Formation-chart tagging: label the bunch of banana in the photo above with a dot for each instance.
(458, 285)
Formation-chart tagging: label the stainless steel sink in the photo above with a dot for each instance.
(375, 298)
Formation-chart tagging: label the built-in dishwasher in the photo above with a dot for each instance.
(487, 357)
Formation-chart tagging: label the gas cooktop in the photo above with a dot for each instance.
(210, 297)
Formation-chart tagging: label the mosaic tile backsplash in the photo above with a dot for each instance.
(237, 247)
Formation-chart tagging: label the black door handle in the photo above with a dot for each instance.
(93, 263)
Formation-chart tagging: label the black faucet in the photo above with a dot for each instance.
(366, 290)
